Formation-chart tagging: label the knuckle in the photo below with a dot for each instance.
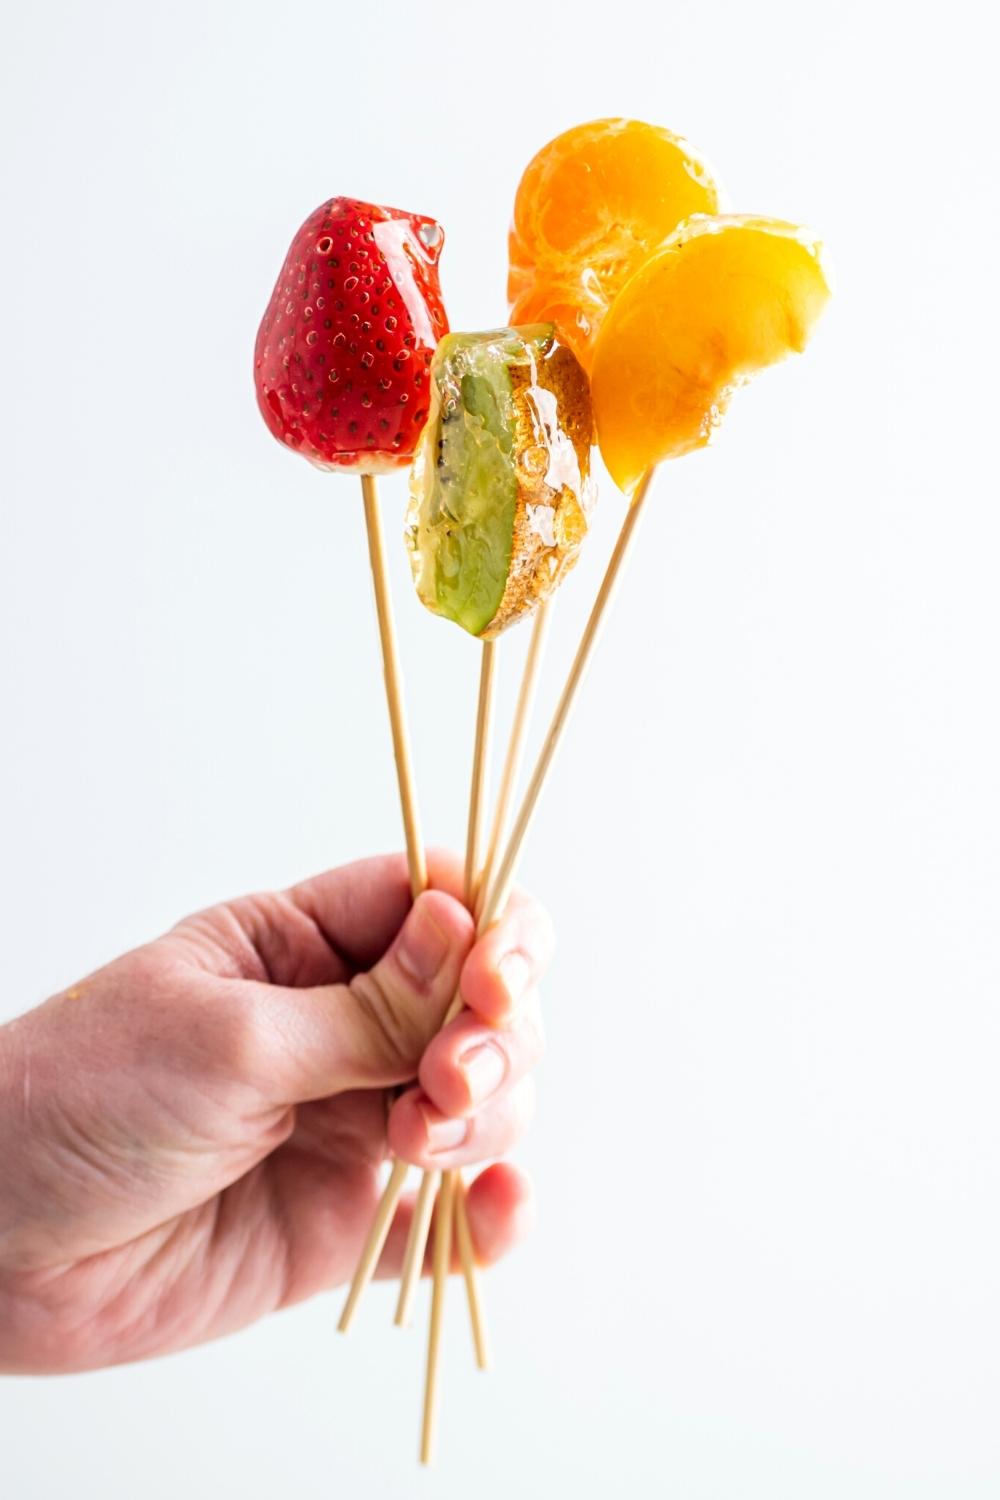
(395, 1031)
(231, 1039)
(240, 1044)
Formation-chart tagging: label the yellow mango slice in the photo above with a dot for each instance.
(723, 298)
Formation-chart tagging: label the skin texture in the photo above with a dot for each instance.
(192, 1135)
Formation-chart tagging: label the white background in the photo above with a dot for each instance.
(767, 1148)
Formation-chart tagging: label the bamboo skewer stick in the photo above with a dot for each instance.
(474, 873)
(420, 1225)
(480, 770)
(416, 862)
(394, 687)
(451, 1185)
(467, 1256)
(518, 735)
(499, 890)
(442, 1258)
(495, 888)
(416, 1245)
(496, 884)
(501, 814)
(512, 766)
(377, 1234)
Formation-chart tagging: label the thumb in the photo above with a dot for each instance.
(372, 1032)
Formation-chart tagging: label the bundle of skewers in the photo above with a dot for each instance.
(638, 306)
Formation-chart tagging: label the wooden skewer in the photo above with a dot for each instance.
(365, 1269)
(505, 796)
(415, 859)
(416, 1243)
(499, 890)
(442, 1257)
(496, 887)
(394, 687)
(473, 874)
(480, 770)
(467, 1256)
(420, 1226)
(450, 1184)
(518, 735)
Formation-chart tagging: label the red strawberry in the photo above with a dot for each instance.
(342, 352)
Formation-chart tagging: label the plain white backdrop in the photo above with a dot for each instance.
(768, 1144)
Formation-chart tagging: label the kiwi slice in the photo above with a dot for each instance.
(487, 528)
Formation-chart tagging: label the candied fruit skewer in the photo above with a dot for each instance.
(724, 298)
(780, 324)
(500, 500)
(340, 367)
(500, 497)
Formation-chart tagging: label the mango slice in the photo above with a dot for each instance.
(722, 299)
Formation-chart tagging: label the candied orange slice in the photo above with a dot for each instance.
(723, 298)
(590, 208)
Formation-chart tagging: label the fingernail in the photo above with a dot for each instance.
(443, 1133)
(515, 971)
(484, 1068)
(423, 946)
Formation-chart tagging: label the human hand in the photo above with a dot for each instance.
(191, 1137)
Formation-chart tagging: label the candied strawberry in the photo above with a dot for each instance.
(342, 354)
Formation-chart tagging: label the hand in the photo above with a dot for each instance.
(191, 1137)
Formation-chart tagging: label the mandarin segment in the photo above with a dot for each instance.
(725, 297)
(591, 206)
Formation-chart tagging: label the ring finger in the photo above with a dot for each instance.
(420, 1133)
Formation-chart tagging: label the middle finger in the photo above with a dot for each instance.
(468, 1063)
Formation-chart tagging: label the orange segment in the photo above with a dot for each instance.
(722, 299)
(590, 208)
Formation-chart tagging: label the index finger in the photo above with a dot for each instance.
(359, 908)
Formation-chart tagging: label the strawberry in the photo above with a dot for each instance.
(340, 364)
